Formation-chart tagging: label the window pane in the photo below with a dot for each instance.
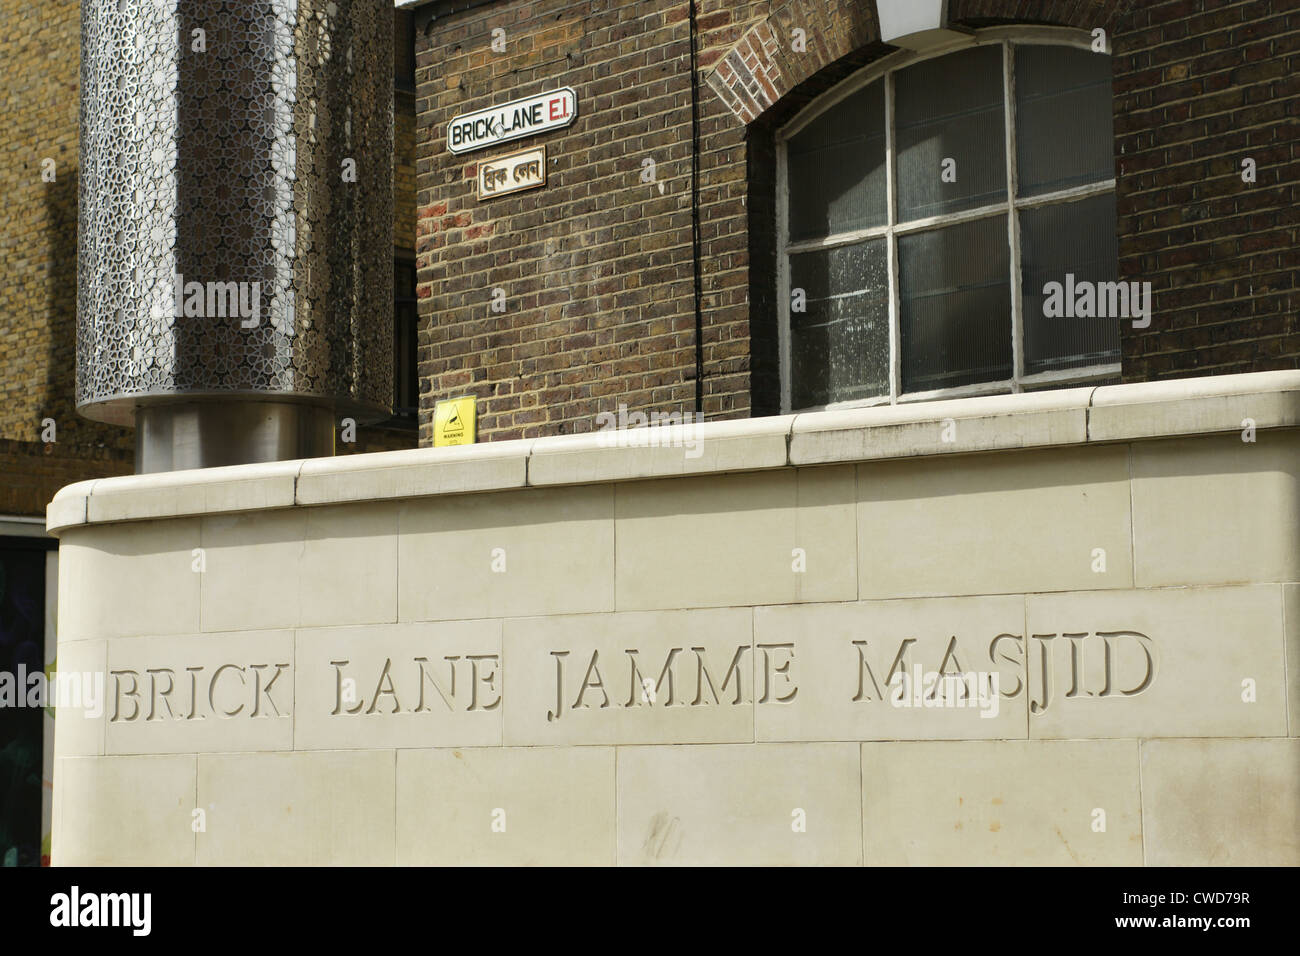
(1064, 132)
(955, 296)
(1075, 239)
(839, 347)
(836, 168)
(950, 108)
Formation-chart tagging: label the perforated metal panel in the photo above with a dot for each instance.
(226, 165)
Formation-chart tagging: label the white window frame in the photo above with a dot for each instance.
(885, 70)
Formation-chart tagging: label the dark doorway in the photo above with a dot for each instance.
(22, 652)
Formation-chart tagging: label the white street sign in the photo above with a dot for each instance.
(514, 120)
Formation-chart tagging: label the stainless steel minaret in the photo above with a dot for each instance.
(235, 238)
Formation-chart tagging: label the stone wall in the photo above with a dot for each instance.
(677, 645)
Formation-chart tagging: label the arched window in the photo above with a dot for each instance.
(922, 208)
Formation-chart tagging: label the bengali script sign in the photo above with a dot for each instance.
(509, 174)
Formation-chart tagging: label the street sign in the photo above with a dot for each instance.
(513, 120)
(525, 169)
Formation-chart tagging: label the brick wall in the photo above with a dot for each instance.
(403, 133)
(31, 472)
(404, 171)
(38, 246)
(597, 266)
(1200, 86)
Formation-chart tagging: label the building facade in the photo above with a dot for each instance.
(852, 236)
(654, 268)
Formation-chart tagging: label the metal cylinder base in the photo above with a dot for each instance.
(179, 436)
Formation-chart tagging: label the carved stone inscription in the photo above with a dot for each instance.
(1094, 664)
(1061, 666)
(423, 684)
(200, 692)
(698, 684)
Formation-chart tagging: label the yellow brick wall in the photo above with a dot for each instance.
(39, 52)
(404, 171)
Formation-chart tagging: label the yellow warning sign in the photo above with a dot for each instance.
(453, 422)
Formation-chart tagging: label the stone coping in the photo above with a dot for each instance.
(1068, 416)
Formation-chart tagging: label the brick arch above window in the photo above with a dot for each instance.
(761, 68)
